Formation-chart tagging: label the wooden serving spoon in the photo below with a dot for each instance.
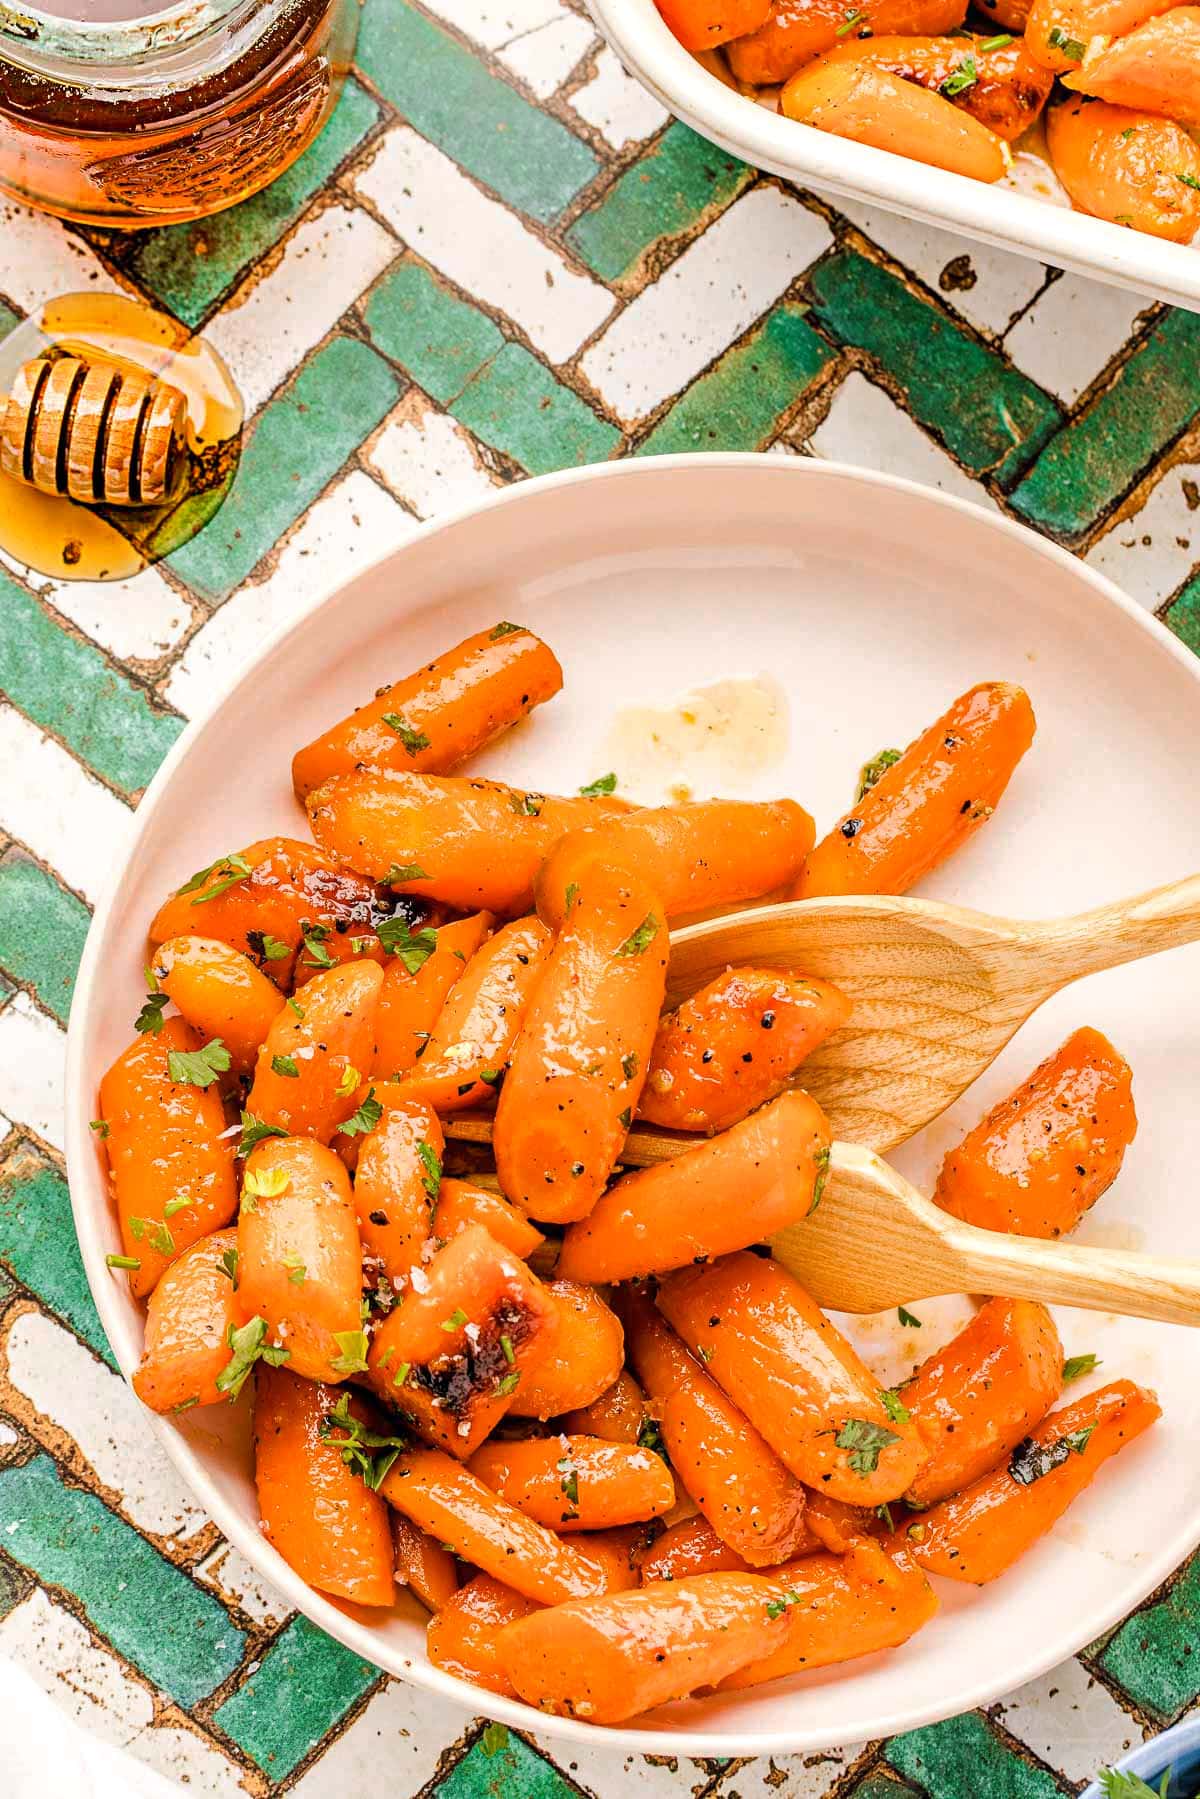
(874, 1242)
(937, 990)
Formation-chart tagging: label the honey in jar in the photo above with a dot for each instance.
(123, 113)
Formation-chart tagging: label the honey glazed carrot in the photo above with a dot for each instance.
(464, 1637)
(415, 987)
(396, 1187)
(576, 1483)
(577, 1360)
(220, 992)
(424, 1566)
(309, 1067)
(188, 1320)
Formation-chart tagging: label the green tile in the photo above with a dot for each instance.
(1184, 615)
(736, 405)
(522, 154)
(37, 1242)
(300, 441)
(69, 688)
(993, 418)
(961, 1756)
(1095, 458)
(189, 267)
(175, 1632)
(881, 1786)
(440, 339)
(42, 929)
(1155, 1655)
(517, 406)
(512, 1769)
(668, 190)
(302, 1687)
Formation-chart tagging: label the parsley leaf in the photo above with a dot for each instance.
(400, 872)
(230, 869)
(254, 1130)
(265, 1183)
(650, 1437)
(100, 1126)
(895, 1408)
(629, 1065)
(285, 1065)
(1188, 180)
(365, 1119)
(431, 1180)
(159, 1234)
(996, 43)
(602, 784)
(133, 1263)
(526, 805)
(180, 1203)
(1115, 1785)
(455, 1321)
(640, 940)
(1057, 39)
(349, 1081)
(775, 1607)
(150, 1018)
(198, 1067)
(569, 1479)
(908, 1318)
(571, 895)
(363, 1450)
(413, 741)
(313, 937)
(503, 629)
(1076, 1366)
(229, 1264)
(353, 1359)
(248, 1345)
(864, 1440)
(960, 79)
(414, 948)
(297, 1272)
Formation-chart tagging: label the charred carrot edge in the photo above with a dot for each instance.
(574, 1483)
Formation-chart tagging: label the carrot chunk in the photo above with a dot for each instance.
(573, 1483)
(866, 102)
(618, 1415)
(423, 1565)
(464, 1637)
(314, 1055)
(396, 1188)
(220, 992)
(701, 24)
(188, 1320)
(411, 997)
(692, 1547)
(574, 1363)
(1132, 168)
(461, 1204)
(797, 30)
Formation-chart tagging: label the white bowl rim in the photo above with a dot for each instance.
(995, 215)
(81, 1167)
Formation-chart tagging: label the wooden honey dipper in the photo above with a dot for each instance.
(93, 432)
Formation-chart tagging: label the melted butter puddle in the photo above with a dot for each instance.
(711, 739)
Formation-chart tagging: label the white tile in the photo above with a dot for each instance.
(864, 426)
(41, 259)
(139, 619)
(1072, 332)
(1151, 553)
(7, 1434)
(481, 245)
(791, 1776)
(1072, 1721)
(620, 108)
(608, 1773)
(543, 59)
(270, 324)
(89, 1684)
(350, 526)
(401, 1729)
(1003, 283)
(495, 22)
(706, 299)
(62, 813)
(427, 459)
(232, 1578)
(199, 1769)
(99, 1412)
(33, 1053)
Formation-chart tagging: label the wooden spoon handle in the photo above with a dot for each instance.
(1125, 931)
(1102, 1280)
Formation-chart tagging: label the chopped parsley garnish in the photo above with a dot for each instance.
(248, 1345)
(1076, 1366)
(526, 805)
(864, 1440)
(650, 1437)
(400, 872)
(625, 1118)
(602, 784)
(455, 1321)
(271, 949)
(349, 1081)
(158, 1235)
(286, 1066)
(254, 1130)
(296, 1007)
(495, 1735)
(503, 629)
(1057, 39)
(572, 894)
(908, 1318)
(265, 1183)
(180, 1203)
(198, 1067)
(100, 1126)
(414, 948)
(852, 19)
(510, 1383)
(230, 869)
(893, 1405)
(150, 1018)
(569, 1479)
(884, 1513)
(297, 1272)
(365, 1118)
(1188, 180)
(490, 1076)
(313, 937)
(431, 1179)
(365, 1451)
(413, 741)
(353, 1359)
(507, 1350)
(133, 1263)
(401, 1374)
(185, 1405)
(1031, 1461)
(821, 1160)
(960, 79)
(229, 1264)
(629, 1065)
(1001, 42)
(1115, 1785)
(776, 1607)
(640, 940)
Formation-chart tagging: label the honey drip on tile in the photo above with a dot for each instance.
(69, 541)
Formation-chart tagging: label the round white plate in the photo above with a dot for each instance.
(873, 602)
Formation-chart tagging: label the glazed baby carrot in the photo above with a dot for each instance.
(692, 1547)
(608, 1659)
(170, 1162)
(734, 1044)
(751, 1500)
(436, 718)
(395, 1190)
(928, 802)
(1058, 32)
(317, 1510)
(615, 1551)
(655, 1353)
(423, 1565)
(453, 1355)
(1043, 1156)
(188, 1319)
(996, 81)
(738, 1188)
(463, 1638)
(978, 1534)
(838, 1607)
(220, 992)
(834, 1525)
(618, 1414)
(311, 1061)
(455, 1507)
(795, 1377)
(578, 1361)
(473, 1034)
(287, 905)
(866, 102)
(705, 853)
(978, 1397)
(579, 1064)
(471, 843)
(798, 30)
(573, 1483)
(700, 24)
(299, 1260)
(1132, 168)
(1153, 68)
(411, 997)
(461, 1204)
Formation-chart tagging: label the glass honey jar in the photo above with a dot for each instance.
(125, 113)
